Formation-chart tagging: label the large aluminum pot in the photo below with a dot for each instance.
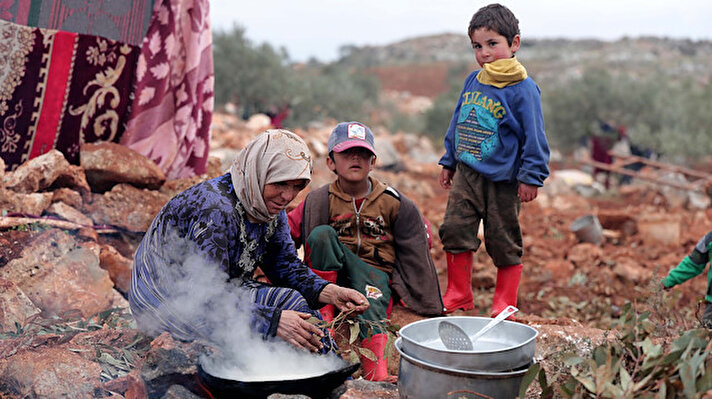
(418, 379)
(508, 346)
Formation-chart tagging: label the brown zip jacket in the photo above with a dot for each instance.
(396, 239)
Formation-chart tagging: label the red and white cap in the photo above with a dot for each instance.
(351, 134)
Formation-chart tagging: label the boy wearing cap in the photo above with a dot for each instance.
(361, 232)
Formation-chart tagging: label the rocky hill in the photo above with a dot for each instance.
(547, 60)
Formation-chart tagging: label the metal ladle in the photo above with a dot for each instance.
(455, 338)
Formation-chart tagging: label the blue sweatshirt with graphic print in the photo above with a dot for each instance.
(499, 132)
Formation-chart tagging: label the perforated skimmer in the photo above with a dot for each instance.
(455, 338)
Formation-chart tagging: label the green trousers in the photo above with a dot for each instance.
(328, 253)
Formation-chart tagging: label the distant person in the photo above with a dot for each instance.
(603, 139)
(237, 222)
(370, 236)
(691, 266)
(496, 157)
(632, 149)
(277, 118)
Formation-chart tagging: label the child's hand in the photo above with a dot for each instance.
(445, 178)
(662, 284)
(527, 192)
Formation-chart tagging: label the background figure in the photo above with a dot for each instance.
(603, 138)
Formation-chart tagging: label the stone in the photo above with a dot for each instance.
(107, 164)
(259, 122)
(126, 206)
(59, 275)
(628, 269)
(179, 392)
(68, 196)
(168, 363)
(37, 173)
(559, 269)
(364, 389)
(15, 306)
(659, 229)
(119, 267)
(68, 213)
(585, 254)
(73, 177)
(49, 373)
(30, 204)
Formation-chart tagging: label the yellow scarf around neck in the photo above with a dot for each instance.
(502, 72)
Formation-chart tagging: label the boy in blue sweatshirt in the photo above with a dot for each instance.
(496, 157)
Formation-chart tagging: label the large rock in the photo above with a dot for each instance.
(659, 229)
(58, 275)
(74, 178)
(107, 164)
(31, 204)
(69, 213)
(15, 306)
(68, 196)
(363, 389)
(170, 362)
(628, 269)
(126, 206)
(37, 173)
(585, 255)
(118, 266)
(49, 373)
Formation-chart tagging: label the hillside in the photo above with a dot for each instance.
(547, 60)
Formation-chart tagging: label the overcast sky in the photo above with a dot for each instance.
(317, 28)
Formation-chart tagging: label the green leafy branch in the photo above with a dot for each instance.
(634, 366)
(355, 327)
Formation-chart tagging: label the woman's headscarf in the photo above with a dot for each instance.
(276, 155)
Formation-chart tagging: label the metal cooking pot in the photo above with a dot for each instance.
(508, 346)
(419, 379)
(315, 387)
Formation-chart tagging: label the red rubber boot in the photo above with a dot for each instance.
(378, 370)
(505, 292)
(459, 282)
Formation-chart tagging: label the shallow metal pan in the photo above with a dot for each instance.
(315, 387)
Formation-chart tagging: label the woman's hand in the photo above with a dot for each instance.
(295, 329)
(345, 299)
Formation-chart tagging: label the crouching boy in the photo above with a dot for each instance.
(361, 232)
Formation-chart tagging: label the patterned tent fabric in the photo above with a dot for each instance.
(121, 20)
(173, 99)
(59, 89)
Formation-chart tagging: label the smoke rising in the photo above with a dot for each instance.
(216, 310)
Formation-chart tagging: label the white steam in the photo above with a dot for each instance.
(200, 295)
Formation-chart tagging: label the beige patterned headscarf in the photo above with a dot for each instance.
(276, 155)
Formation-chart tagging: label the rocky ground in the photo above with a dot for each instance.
(64, 279)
